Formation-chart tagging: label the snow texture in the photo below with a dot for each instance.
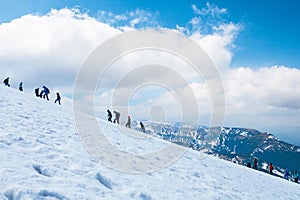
(42, 157)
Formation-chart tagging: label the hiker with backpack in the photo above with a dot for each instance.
(117, 117)
(6, 82)
(45, 92)
(37, 93)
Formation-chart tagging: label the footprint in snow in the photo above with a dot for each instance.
(145, 196)
(104, 181)
(11, 195)
(55, 195)
(42, 171)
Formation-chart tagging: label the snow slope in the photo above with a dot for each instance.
(42, 157)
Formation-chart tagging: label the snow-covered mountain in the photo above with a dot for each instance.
(240, 144)
(42, 157)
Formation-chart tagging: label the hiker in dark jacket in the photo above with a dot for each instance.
(117, 117)
(255, 163)
(249, 165)
(128, 124)
(286, 174)
(296, 176)
(36, 91)
(58, 98)
(142, 127)
(109, 115)
(6, 82)
(45, 92)
(21, 86)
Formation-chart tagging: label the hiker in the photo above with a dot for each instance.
(45, 92)
(58, 98)
(128, 122)
(6, 82)
(37, 93)
(109, 115)
(255, 163)
(271, 168)
(286, 174)
(117, 117)
(296, 176)
(142, 127)
(249, 165)
(21, 86)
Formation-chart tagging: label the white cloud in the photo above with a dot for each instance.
(130, 19)
(257, 86)
(49, 49)
(211, 10)
(206, 19)
(264, 97)
(210, 29)
(219, 44)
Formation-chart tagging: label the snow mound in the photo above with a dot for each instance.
(42, 157)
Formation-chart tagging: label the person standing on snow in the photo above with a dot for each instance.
(37, 93)
(128, 124)
(296, 176)
(249, 165)
(109, 115)
(142, 127)
(6, 82)
(45, 92)
(21, 86)
(255, 163)
(286, 174)
(271, 168)
(58, 98)
(117, 117)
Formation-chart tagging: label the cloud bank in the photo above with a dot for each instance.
(49, 49)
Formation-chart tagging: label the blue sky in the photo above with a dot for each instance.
(270, 35)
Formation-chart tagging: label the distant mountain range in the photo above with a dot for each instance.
(235, 144)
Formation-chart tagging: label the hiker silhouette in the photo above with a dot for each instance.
(45, 92)
(142, 127)
(58, 98)
(109, 115)
(128, 124)
(117, 117)
(6, 82)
